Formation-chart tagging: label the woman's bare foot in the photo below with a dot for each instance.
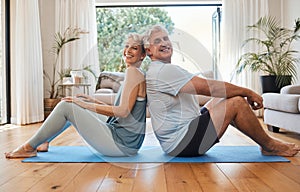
(21, 152)
(43, 147)
(281, 149)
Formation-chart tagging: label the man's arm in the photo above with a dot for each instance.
(214, 88)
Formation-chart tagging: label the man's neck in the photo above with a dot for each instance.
(163, 61)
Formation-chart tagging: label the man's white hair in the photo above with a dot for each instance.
(149, 32)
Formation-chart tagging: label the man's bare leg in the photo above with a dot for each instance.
(237, 110)
(213, 102)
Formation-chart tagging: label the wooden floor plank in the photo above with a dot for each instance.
(12, 169)
(243, 179)
(180, 177)
(273, 178)
(28, 178)
(211, 178)
(59, 178)
(120, 177)
(150, 178)
(288, 169)
(89, 179)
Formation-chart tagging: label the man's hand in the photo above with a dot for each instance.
(255, 100)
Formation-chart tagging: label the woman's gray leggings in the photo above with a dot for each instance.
(91, 126)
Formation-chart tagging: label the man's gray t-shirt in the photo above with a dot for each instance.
(171, 111)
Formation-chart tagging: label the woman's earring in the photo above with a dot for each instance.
(122, 65)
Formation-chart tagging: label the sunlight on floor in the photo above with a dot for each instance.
(8, 127)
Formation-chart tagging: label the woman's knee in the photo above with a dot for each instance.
(61, 104)
(64, 106)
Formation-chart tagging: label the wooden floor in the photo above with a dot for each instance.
(182, 177)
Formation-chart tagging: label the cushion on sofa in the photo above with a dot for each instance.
(290, 89)
(282, 102)
(280, 119)
(109, 99)
(110, 80)
(104, 90)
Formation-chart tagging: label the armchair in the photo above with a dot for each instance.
(282, 110)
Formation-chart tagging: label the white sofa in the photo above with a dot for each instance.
(282, 110)
(108, 85)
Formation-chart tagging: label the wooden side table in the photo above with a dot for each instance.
(85, 87)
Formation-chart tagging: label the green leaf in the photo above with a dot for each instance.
(276, 56)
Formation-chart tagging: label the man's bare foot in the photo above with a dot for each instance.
(43, 147)
(21, 152)
(281, 149)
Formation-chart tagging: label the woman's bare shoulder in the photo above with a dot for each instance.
(134, 72)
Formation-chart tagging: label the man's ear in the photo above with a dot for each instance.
(148, 52)
(143, 56)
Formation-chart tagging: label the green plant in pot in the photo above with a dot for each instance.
(276, 58)
(60, 40)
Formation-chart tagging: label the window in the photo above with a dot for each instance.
(192, 31)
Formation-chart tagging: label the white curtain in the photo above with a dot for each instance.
(83, 52)
(26, 63)
(3, 116)
(237, 14)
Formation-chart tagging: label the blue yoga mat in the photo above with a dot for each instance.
(154, 154)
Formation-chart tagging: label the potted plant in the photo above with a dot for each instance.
(60, 39)
(65, 75)
(276, 58)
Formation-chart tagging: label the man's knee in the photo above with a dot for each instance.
(239, 102)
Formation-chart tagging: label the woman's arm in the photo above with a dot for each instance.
(133, 77)
(90, 99)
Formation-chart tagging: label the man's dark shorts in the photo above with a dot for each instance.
(200, 137)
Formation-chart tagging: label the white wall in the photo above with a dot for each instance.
(287, 11)
(47, 12)
(290, 12)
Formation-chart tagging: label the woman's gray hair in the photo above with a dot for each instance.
(148, 33)
(137, 38)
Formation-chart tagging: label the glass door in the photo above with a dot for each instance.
(216, 25)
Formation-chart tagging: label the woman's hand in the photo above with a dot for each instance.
(90, 99)
(67, 99)
(85, 97)
(78, 101)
